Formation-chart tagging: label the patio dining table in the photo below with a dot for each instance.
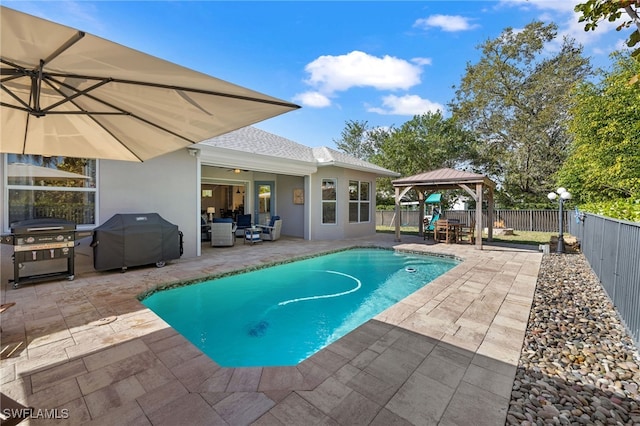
(451, 230)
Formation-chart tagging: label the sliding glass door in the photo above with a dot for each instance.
(264, 202)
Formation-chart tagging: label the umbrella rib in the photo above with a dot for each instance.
(64, 46)
(69, 98)
(121, 112)
(208, 92)
(25, 106)
(13, 74)
(185, 89)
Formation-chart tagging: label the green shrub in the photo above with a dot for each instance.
(624, 209)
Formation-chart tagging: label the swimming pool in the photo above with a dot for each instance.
(281, 315)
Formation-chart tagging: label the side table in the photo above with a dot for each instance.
(252, 235)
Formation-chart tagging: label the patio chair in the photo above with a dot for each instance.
(271, 232)
(443, 231)
(223, 232)
(205, 235)
(431, 227)
(468, 232)
(243, 222)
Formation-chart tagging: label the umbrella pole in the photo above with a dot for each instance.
(36, 83)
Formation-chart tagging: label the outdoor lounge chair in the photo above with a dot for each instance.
(243, 222)
(271, 232)
(223, 232)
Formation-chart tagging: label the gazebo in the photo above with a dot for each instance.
(442, 179)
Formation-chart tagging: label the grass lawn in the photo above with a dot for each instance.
(518, 237)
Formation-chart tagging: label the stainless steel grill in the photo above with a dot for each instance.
(49, 242)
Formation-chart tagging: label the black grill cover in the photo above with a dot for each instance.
(134, 240)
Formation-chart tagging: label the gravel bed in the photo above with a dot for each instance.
(578, 366)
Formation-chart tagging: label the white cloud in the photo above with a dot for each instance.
(406, 105)
(449, 23)
(312, 99)
(330, 74)
(421, 61)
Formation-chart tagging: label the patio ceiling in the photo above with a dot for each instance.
(448, 179)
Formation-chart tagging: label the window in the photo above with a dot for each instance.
(60, 187)
(359, 201)
(329, 201)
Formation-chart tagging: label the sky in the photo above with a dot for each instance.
(379, 62)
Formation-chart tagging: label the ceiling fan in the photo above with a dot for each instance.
(236, 171)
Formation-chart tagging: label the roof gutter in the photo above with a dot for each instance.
(378, 172)
(222, 157)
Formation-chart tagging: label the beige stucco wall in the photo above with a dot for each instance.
(342, 229)
(167, 185)
(293, 215)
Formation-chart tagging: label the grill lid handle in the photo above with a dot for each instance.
(45, 228)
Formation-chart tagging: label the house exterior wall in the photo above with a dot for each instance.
(168, 185)
(343, 228)
(293, 215)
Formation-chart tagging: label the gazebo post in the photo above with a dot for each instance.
(490, 212)
(398, 219)
(479, 187)
(420, 212)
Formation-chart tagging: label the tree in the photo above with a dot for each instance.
(360, 140)
(426, 142)
(604, 163)
(516, 100)
(594, 10)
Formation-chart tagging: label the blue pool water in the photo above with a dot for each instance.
(281, 315)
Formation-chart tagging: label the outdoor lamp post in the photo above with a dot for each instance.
(562, 195)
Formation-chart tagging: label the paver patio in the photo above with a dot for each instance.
(446, 354)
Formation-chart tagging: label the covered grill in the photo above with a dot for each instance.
(43, 249)
(128, 240)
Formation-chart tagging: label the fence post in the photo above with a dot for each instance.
(531, 220)
(601, 257)
(615, 268)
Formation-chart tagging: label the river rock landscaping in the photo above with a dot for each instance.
(578, 366)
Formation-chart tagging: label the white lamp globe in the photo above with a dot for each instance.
(565, 195)
(552, 196)
(561, 190)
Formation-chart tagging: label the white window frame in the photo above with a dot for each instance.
(358, 201)
(328, 203)
(7, 188)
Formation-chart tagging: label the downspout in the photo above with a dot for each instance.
(397, 215)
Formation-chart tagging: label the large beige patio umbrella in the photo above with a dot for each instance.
(65, 92)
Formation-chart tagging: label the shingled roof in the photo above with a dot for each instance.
(256, 141)
(443, 179)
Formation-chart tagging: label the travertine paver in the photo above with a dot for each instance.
(446, 354)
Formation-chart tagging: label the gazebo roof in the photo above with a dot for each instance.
(443, 179)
